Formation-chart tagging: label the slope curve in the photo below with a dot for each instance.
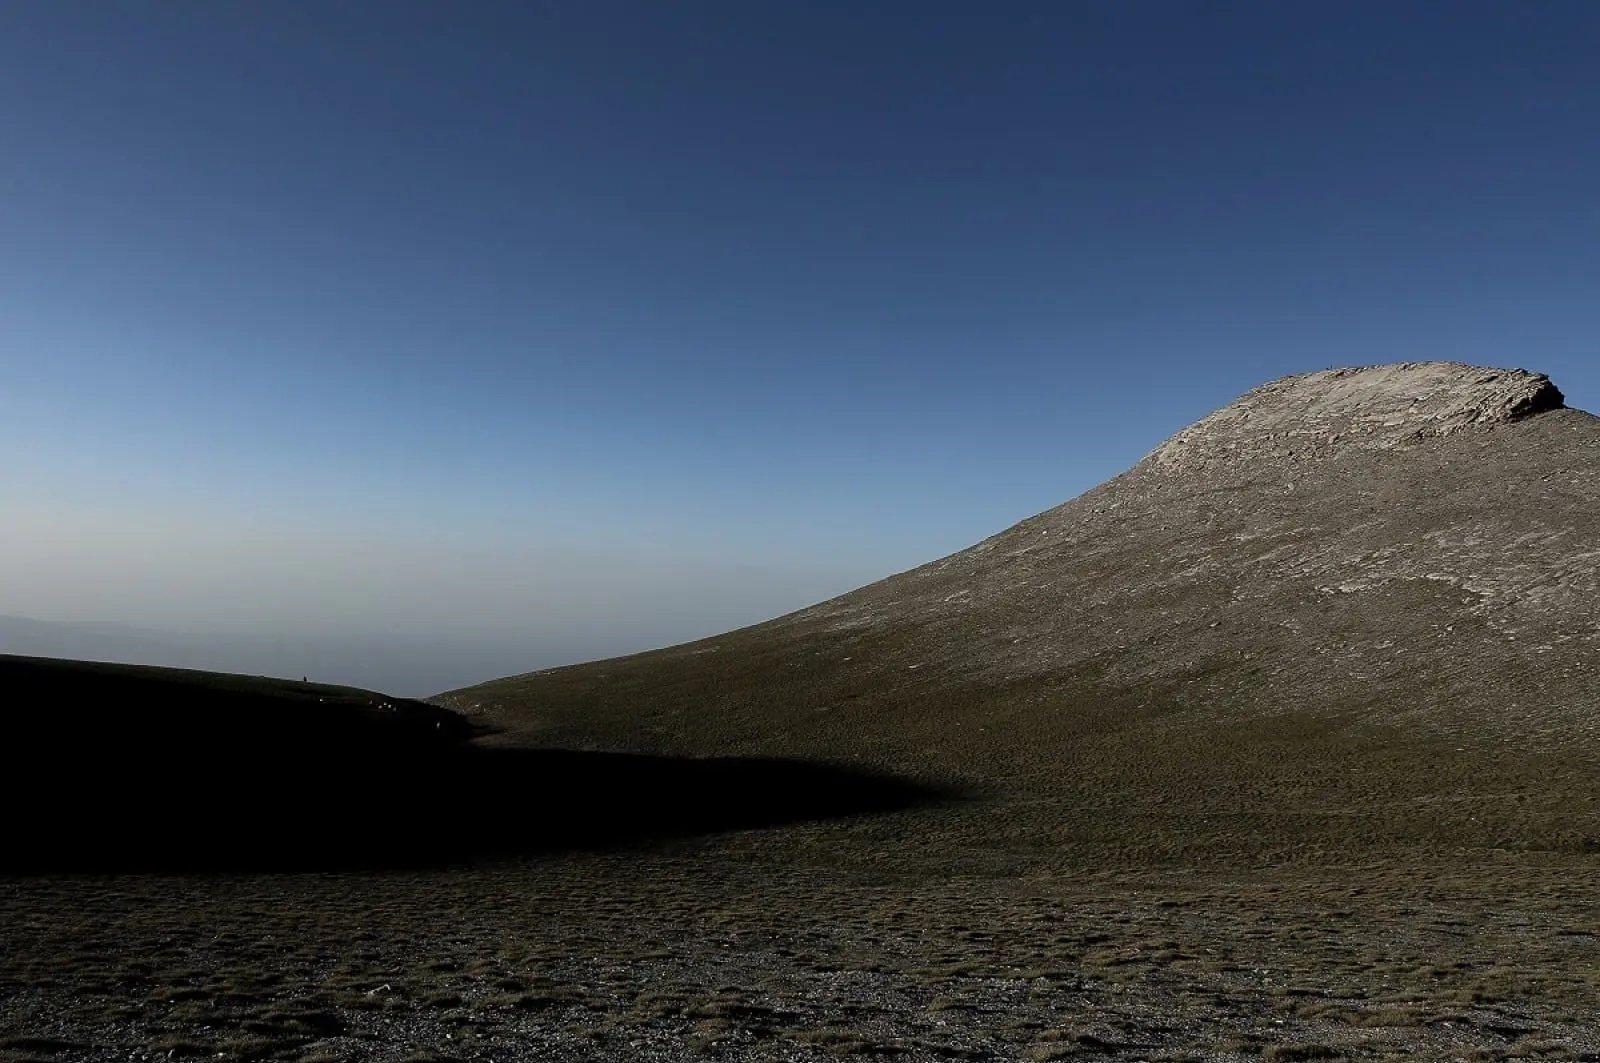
(1372, 581)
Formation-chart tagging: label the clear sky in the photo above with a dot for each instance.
(584, 326)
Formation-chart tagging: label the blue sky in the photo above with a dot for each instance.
(635, 321)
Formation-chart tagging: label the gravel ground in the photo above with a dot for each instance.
(706, 951)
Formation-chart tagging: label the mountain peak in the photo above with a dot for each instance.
(1348, 582)
(1371, 407)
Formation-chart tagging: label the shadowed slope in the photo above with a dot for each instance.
(119, 767)
(1352, 608)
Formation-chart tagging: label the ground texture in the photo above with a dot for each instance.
(715, 951)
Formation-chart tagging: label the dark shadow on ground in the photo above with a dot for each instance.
(109, 768)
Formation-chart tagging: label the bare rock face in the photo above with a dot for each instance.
(1376, 408)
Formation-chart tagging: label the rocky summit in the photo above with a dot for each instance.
(1372, 408)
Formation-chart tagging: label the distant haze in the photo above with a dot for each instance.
(410, 344)
(400, 664)
(411, 619)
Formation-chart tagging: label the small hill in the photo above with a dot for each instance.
(111, 708)
(112, 767)
(1351, 612)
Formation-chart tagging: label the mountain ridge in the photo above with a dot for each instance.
(1160, 529)
(1411, 617)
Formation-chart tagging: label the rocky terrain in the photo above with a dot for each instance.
(1282, 745)
(730, 951)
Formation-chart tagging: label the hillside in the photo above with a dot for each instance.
(132, 768)
(121, 766)
(1352, 610)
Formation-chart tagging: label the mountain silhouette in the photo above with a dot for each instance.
(114, 767)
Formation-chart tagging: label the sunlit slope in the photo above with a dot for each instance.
(1358, 600)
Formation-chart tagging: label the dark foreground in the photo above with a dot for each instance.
(114, 768)
(281, 871)
(744, 947)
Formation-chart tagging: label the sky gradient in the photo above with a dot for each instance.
(576, 328)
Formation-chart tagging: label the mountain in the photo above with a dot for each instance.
(1352, 610)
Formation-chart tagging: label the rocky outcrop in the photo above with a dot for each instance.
(1375, 408)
